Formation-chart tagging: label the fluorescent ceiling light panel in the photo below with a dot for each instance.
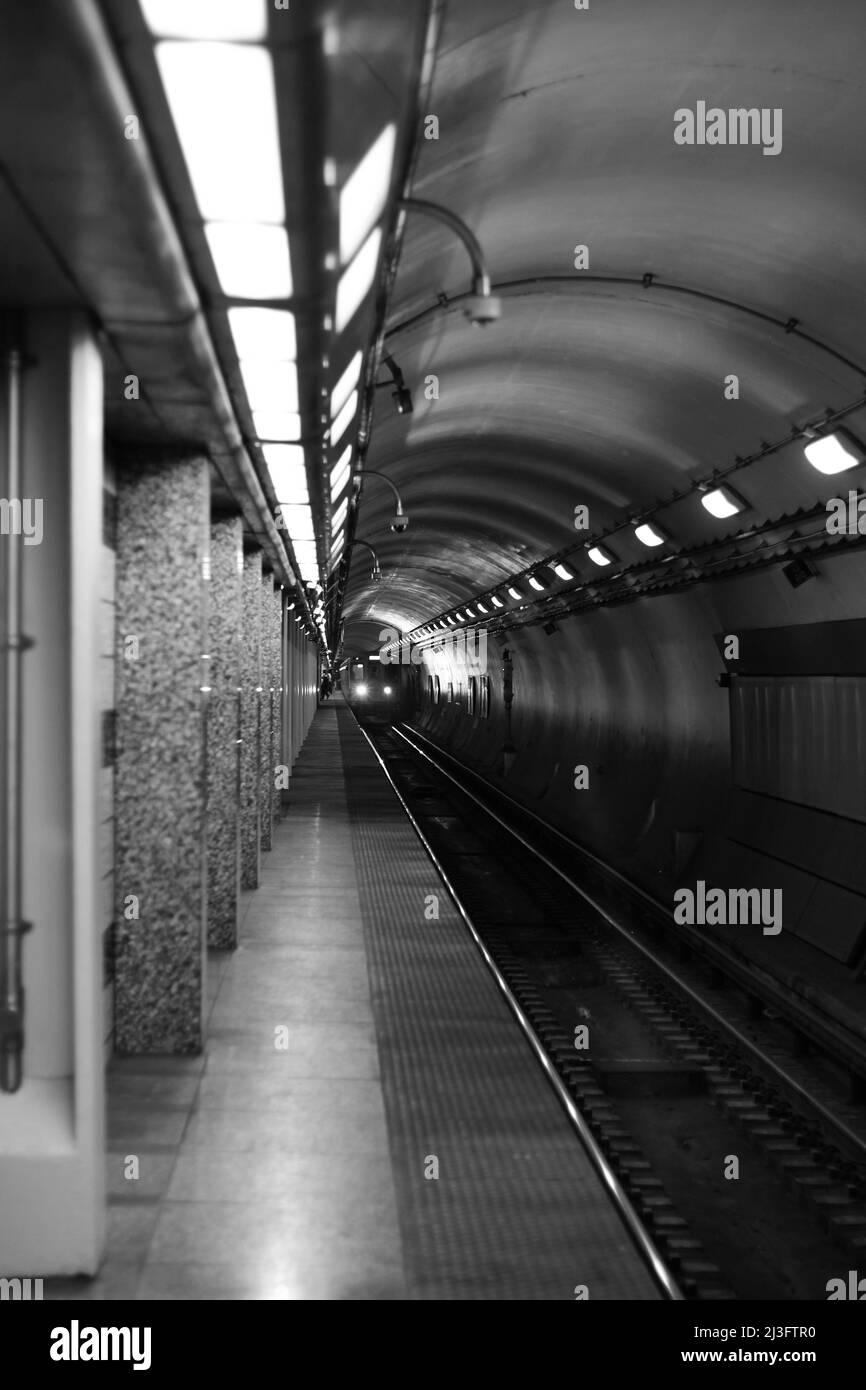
(288, 474)
(263, 334)
(341, 472)
(344, 419)
(562, 572)
(648, 535)
(515, 593)
(356, 282)
(276, 424)
(834, 453)
(270, 385)
(346, 384)
(299, 522)
(337, 544)
(599, 556)
(481, 608)
(251, 260)
(224, 108)
(722, 503)
(469, 613)
(536, 583)
(365, 193)
(497, 602)
(340, 514)
(206, 19)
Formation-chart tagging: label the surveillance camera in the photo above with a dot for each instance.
(483, 308)
(399, 523)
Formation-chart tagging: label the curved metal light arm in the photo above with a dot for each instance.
(469, 239)
(376, 569)
(374, 473)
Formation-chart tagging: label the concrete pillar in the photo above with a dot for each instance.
(51, 1128)
(251, 712)
(163, 542)
(225, 643)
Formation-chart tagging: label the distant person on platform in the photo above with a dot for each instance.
(326, 687)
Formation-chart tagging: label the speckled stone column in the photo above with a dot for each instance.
(266, 784)
(225, 642)
(277, 699)
(163, 538)
(251, 761)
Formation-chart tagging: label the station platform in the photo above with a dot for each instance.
(367, 1121)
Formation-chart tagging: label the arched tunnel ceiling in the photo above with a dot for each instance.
(556, 130)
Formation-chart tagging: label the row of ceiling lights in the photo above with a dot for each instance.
(232, 152)
(830, 454)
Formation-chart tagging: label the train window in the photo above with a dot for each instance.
(435, 690)
(485, 697)
(472, 698)
(430, 689)
(450, 695)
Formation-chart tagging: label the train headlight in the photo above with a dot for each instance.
(387, 690)
(361, 690)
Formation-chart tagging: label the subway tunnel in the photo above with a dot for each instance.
(433, 651)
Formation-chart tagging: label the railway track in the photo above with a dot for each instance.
(744, 1160)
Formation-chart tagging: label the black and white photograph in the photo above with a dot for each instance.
(432, 672)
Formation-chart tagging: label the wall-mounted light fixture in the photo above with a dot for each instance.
(600, 555)
(722, 502)
(835, 452)
(649, 535)
(400, 520)
(376, 573)
(481, 307)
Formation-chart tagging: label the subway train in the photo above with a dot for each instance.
(374, 690)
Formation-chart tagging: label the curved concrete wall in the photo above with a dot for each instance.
(631, 692)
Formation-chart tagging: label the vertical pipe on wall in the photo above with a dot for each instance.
(13, 643)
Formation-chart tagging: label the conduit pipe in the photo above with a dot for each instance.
(12, 646)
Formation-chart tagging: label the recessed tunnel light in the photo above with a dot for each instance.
(722, 502)
(514, 593)
(600, 555)
(497, 602)
(835, 453)
(649, 535)
(536, 583)
(562, 573)
(481, 608)
(231, 148)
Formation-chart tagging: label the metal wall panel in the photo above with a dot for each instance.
(802, 738)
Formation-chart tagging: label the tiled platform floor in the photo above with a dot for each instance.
(279, 1173)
